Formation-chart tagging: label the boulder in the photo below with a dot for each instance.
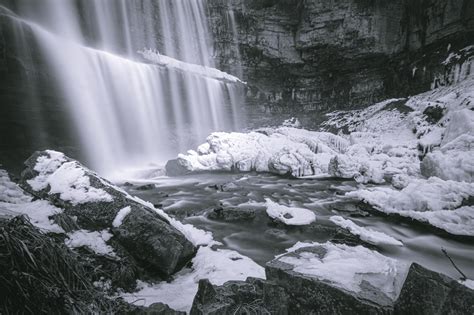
(232, 214)
(288, 290)
(311, 295)
(96, 204)
(253, 296)
(429, 292)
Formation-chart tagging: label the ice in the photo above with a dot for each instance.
(162, 60)
(120, 216)
(365, 234)
(289, 215)
(96, 241)
(282, 151)
(217, 265)
(435, 201)
(347, 267)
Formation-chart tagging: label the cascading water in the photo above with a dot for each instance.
(129, 113)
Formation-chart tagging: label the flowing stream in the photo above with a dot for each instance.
(194, 197)
(128, 112)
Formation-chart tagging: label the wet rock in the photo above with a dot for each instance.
(253, 296)
(146, 187)
(433, 113)
(159, 309)
(232, 214)
(94, 202)
(176, 168)
(429, 292)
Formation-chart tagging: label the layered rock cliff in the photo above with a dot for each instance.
(302, 56)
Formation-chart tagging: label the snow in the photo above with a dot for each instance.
(435, 201)
(71, 183)
(45, 166)
(121, 216)
(347, 267)
(289, 215)
(217, 265)
(95, 240)
(171, 63)
(282, 151)
(39, 213)
(13, 202)
(67, 179)
(368, 235)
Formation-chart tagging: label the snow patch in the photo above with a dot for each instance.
(96, 241)
(347, 267)
(217, 265)
(120, 216)
(67, 179)
(365, 234)
(289, 215)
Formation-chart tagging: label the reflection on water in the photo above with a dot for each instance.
(191, 198)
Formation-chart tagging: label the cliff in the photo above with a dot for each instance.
(302, 56)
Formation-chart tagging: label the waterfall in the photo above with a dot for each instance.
(127, 111)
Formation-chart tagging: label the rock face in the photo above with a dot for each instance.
(97, 205)
(311, 56)
(289, 292)
(428, 292)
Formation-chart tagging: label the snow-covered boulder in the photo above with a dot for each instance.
(289, 215)
(434, 201)
(315, 278)
(97, 206)
(281, 151)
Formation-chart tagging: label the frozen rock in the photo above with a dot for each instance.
(434, 201)
(366, 234)
(289, 215)
(281, 151)
(95, 203)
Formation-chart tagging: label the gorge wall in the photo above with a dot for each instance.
(311, 56)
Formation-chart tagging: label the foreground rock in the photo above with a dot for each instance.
(429, 292)
(330, 279)
(136, 229)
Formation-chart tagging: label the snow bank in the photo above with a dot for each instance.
(347, 267)
(282, 151)
(432, 200)
(96, 241)
(67, 179)
(368, 235)
(289, 215)
(219, 266)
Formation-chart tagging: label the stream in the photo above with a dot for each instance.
(250, 231)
